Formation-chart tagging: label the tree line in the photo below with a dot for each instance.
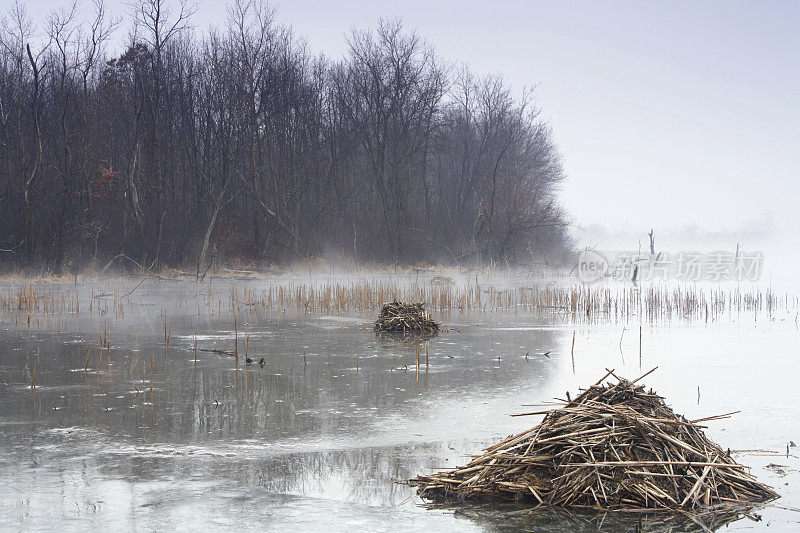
(240, 144)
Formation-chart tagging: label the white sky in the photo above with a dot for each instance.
(668, 114)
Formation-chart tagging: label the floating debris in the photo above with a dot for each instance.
(405, 318)
(226, 353)
(614, 447)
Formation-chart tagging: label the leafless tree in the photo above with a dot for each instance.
(241, 144)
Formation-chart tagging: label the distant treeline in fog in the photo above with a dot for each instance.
(240, 144)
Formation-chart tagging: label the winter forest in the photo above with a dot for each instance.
(136, 135)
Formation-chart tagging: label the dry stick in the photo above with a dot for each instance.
(715, 417)
(644, 375)
(194, 336)
(696, 486)
(236, 344)
(572, 352)
(640, 347)
(417, 367)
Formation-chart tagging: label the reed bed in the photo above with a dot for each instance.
(615, 447)
(578, 302)
(581, 302)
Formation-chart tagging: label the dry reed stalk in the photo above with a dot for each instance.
(572, 352)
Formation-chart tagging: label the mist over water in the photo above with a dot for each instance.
(777, 246)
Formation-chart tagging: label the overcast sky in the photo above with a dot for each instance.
(667, 114)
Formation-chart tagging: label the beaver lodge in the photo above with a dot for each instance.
(402, 317)
(614, 447)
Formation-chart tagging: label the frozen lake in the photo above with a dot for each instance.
(139, 435)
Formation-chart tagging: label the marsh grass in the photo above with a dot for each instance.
(55, 306)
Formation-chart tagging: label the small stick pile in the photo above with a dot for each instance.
(614, 447)
(402, 317)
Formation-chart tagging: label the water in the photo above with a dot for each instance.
(148, 437)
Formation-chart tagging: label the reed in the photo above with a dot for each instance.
(572, 352)
(40, 304)
(194, 338)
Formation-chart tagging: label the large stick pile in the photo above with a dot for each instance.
(614, 447)
(402, 317)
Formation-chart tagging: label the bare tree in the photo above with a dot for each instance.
(159, 26)
(244, 145)
(390, 91)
